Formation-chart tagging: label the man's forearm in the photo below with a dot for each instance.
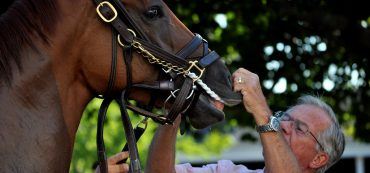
(278, 155)
(161, 157)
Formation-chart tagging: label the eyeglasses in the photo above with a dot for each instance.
(300, 127)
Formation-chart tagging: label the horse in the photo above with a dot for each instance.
(55, 58)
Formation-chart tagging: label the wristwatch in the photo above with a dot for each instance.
(273, 125)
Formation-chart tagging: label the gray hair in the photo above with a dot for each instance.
(332, 138)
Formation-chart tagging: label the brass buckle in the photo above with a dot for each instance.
(111, 7)
(119, 38)
(193, 64)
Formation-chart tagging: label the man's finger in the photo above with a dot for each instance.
(237, 86)
(118, 157)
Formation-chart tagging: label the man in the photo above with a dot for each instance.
(306, 138)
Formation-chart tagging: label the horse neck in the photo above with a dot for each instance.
(41, 107)
(31, 123)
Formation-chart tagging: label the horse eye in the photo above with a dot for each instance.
(154, 12)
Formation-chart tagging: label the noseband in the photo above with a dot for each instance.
(127, 34)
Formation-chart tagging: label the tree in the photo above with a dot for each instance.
(316, 47)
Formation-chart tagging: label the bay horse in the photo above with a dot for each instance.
(55, 57)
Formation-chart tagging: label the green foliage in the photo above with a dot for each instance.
(85, 149)
(214, 143)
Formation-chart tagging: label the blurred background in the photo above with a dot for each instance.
(319, 47)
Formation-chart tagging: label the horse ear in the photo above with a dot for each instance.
(319, 160)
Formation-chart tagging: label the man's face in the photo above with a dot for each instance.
(303, 145)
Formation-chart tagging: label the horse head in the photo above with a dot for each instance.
(154, 23)
(169, 34)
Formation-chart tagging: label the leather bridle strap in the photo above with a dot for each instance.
(107, 11)
(130, 22)
(177, 106)
(191, 47)
(112, 74)
(102, 158)
(127, 58)
(162, 54)
(130, 136)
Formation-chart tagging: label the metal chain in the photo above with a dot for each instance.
(153, 60)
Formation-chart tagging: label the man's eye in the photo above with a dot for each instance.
(299, 128)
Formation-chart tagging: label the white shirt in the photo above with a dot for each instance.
(222, 166)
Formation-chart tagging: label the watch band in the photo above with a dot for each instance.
(264, 128)
(273, 125)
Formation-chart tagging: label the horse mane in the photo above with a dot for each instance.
(22, 21)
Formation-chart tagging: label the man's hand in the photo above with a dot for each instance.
(254, 101)
(113, 166)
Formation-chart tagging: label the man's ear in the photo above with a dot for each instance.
(319, 160)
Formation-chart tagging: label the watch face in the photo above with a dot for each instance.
(275, 124)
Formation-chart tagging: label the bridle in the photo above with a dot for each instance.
(127, 34)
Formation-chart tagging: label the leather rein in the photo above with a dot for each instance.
(128, 35)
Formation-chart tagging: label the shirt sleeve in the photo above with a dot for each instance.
(222, 166)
